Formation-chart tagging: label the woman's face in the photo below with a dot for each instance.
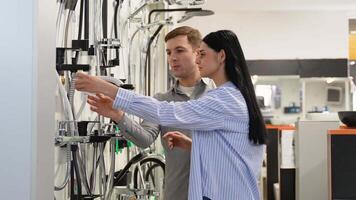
(207, 61)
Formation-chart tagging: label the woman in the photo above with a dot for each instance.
(228, 129)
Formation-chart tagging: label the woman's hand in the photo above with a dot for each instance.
(102, 105)
(92, 84)
(178, 139)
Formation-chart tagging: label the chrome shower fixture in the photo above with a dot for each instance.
(190, 14)
(186, 2)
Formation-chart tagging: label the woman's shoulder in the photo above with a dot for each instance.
(227, 94)
(227, 88)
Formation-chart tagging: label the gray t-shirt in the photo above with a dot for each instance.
(177, 160)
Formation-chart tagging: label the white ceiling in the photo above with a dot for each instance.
(236, 5)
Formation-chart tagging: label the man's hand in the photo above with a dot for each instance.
(102, 105)
(92, 84)
(178, 139)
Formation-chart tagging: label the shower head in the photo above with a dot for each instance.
(186, 2)
(190, 14)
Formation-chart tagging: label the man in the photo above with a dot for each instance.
(182, 47)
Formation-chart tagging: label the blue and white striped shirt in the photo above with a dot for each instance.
(224, 163)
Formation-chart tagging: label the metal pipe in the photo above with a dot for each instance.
(104, 17)
(162, 22)
(142, 7)
(86, 20)
(137, 11)
(148, 59)
(112, 170)
(93, 174)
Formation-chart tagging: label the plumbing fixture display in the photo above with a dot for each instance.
(122, 42)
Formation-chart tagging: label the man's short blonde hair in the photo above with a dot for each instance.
(193, 35)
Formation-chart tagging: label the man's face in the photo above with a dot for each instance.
(181, 57)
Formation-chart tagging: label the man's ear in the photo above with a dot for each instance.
(196, 51)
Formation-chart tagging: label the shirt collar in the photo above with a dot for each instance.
(228, 84)
(201, 84)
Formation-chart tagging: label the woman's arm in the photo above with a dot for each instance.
(210, 112)
(206, 113)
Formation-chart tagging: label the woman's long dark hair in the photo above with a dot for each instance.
(237, 72)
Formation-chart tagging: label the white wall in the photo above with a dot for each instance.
(16, 101)
(43, 105)
(24, 153)
(283, 34)
(281, 5)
